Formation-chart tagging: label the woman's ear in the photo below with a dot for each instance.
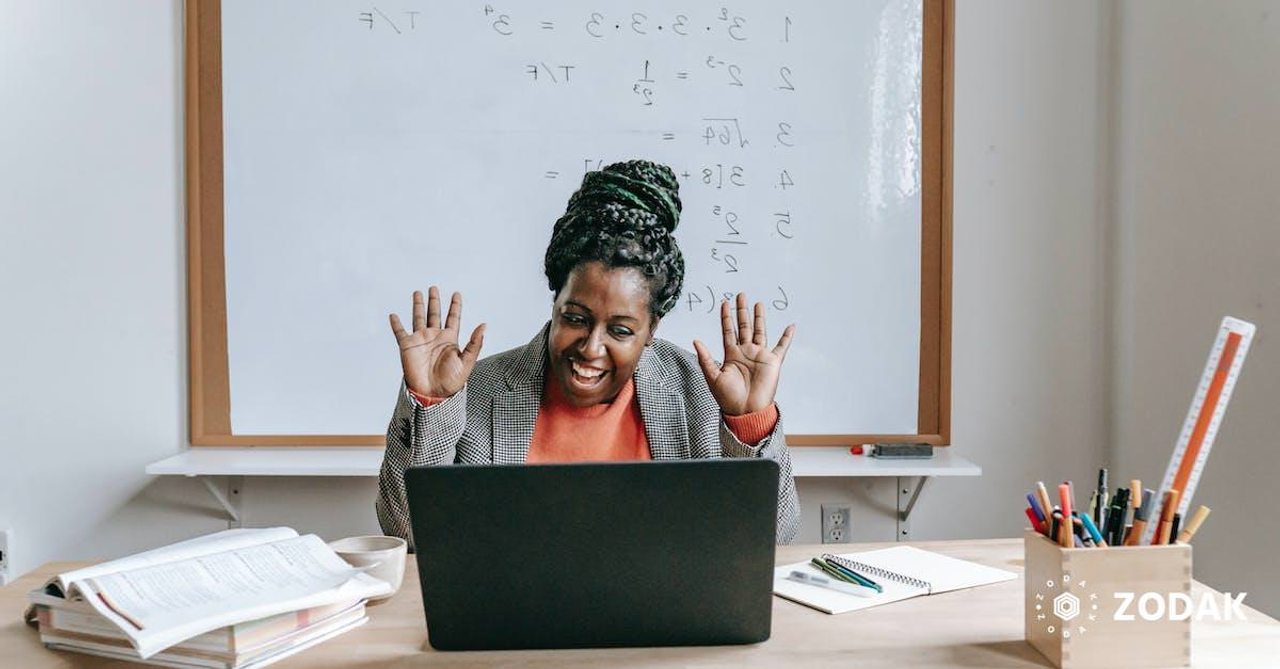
(653, 329)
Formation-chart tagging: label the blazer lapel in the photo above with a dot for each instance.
(662, 411)
(515, 411)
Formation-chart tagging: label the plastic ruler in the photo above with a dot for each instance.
(1205, 415)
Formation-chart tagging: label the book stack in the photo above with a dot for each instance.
(234, 599)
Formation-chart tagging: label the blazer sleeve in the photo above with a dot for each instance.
(775, 448)
(417, 435)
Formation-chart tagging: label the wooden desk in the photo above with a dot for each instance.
(981, 627)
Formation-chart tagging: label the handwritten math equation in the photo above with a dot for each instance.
(741, 157)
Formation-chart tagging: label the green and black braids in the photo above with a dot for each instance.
(623, 216)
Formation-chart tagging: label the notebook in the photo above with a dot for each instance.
(902, 571)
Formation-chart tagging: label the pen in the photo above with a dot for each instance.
(838, 586)
(831, 571)
(834, 562)
(1194, 524)
(1055, 527)
(1173, 528)
(1100, 503)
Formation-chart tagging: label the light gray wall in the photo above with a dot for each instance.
(1198, 237)
(93, 241)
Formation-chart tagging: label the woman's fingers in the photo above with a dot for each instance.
(397, 327)
(419, 310)
(472, 351)
(726, 327)
(784, 342)
(454, 319)
(744, 319)
(706, 362)
(758, 336)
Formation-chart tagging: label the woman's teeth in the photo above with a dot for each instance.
(587, 373)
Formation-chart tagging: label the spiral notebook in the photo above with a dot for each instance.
(902, 571)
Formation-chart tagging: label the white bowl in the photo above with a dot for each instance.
(384, 555)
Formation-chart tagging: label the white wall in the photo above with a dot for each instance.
(1198, 237)
(93, 240)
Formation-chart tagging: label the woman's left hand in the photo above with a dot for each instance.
(747, 380)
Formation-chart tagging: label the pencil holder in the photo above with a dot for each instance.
(1125, 606)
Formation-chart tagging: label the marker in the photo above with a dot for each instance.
(1135, 493)
(1191, 528)
(1140, 518)
(1036, 523)
(1093, 531)
(1035, 506)
(1173, 527)
(838, 586)
(1064, 496)
(1167, 510)
(1045, 504)
(1055, 528)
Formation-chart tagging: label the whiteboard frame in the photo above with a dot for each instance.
(210, 379)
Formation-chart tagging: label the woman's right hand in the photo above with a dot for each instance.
(433, 364)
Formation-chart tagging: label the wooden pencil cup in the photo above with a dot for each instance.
(1076, 609)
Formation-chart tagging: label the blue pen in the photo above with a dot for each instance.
(1092, 529)
(831, 560)
(1035, 506)
(859, 578)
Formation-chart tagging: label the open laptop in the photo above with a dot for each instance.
(595, 555)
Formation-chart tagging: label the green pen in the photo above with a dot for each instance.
(861, 579)
(831, 571)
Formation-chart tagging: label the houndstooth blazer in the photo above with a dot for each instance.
(491, 421)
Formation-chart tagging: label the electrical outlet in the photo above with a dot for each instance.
(835, 524)
(6, 539)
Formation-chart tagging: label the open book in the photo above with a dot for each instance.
(902, 571)
(164, 596)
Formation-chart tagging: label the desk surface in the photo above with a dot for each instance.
(338, 461)
(981, 627)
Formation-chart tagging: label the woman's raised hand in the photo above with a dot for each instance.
(747, 380)
(433, 364)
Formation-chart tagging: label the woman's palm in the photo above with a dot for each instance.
(433, 364)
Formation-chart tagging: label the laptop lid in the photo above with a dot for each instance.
(595, 555)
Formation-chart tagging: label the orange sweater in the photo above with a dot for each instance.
(610, 431)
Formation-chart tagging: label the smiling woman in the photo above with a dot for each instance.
(594, 384)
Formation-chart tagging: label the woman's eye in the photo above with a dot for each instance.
(574, 319)
(622, 332)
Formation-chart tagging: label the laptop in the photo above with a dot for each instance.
(672, 553)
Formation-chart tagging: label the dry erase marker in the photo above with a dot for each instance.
(1193, 525)
(831, 584)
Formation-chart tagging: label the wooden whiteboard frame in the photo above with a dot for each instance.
(210, 377)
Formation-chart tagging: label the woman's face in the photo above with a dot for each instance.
(600, 324)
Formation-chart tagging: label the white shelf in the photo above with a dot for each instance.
(365, 461)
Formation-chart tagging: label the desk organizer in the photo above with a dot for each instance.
(1071, 604)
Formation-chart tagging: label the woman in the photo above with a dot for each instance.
(594, 384)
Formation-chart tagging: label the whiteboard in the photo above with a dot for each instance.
(371, 150)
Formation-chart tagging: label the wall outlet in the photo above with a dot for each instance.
(6, 539)
(835, 524)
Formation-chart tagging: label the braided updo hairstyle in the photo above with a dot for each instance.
(623, 216)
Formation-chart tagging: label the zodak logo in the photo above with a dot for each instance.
(1065, 612)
